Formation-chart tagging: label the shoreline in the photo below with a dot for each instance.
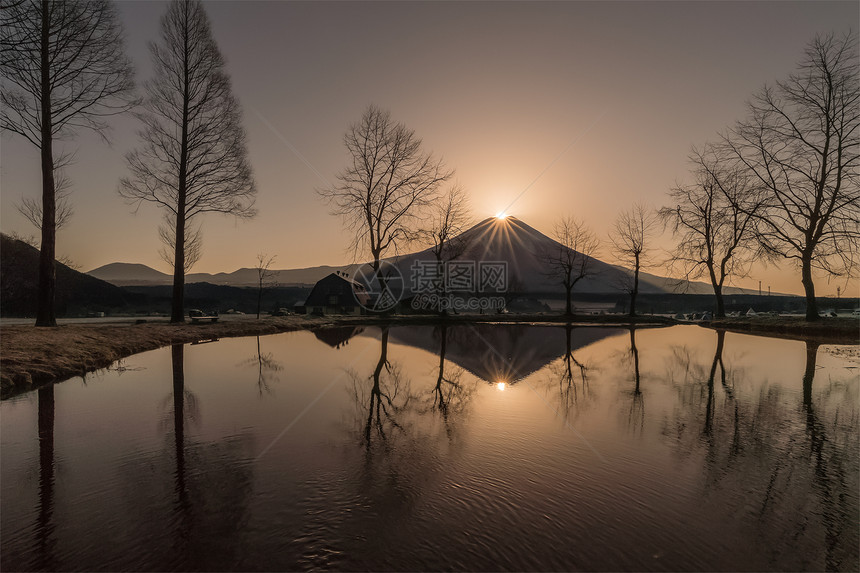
(826, 331)
(31, 357)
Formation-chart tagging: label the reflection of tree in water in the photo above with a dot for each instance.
(44, 529)
(570, 377)
(386, 399)
(390, 407)
(627, 361)
(451, 393)
(402, 429)
(636, 413)
(267, 368)
(191, 504)
(785, 463)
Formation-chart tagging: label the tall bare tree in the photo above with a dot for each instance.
(264, 276)
(389, 184)
(713, 222)
(802, 142)
(63, 66)
(631, 239)
(193, 159)
(572, 259)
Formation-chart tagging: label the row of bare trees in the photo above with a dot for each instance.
(782, 184)
(64, 68)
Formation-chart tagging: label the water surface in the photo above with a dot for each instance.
(488, 447)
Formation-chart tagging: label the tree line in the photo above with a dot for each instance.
(781, 184)
(64, 69)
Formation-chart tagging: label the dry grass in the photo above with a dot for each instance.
(827, 330)
(30, 355)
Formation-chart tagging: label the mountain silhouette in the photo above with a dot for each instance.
(522, 247)
(509, 240)
(76, 292)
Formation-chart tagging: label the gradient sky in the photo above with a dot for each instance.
(588, 106)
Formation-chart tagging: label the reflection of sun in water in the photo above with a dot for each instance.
(501, 386)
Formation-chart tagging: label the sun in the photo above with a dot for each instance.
(501, 215)
(501, 386)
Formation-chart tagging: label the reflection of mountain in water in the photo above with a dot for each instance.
(496, 352)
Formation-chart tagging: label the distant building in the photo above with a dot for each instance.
(337, 294)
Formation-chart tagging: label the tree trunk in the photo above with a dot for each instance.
(178, 359)
(178, 305)
(568, 350)
(635, 352)
(568, 308)
(177, 313)
(721, 307)
(46, 478)
(635, 290)
(809, 287)
(259, 299)
(442, 351)
(809, 372)
(47, 251)
(718, 357)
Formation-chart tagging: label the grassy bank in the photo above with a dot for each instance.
(827, 330)
(31, 356)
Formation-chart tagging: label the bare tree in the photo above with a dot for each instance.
(264, 276)
(802, 142)
(193, 159)
(571, 259)
(63, 67)
(713, 222)
(387, 187)
(631, 238)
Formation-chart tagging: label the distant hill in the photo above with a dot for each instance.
(76, 293)
(509, 240)
(121, 274)
(136, 274)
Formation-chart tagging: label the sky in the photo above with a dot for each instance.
(573, 108)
